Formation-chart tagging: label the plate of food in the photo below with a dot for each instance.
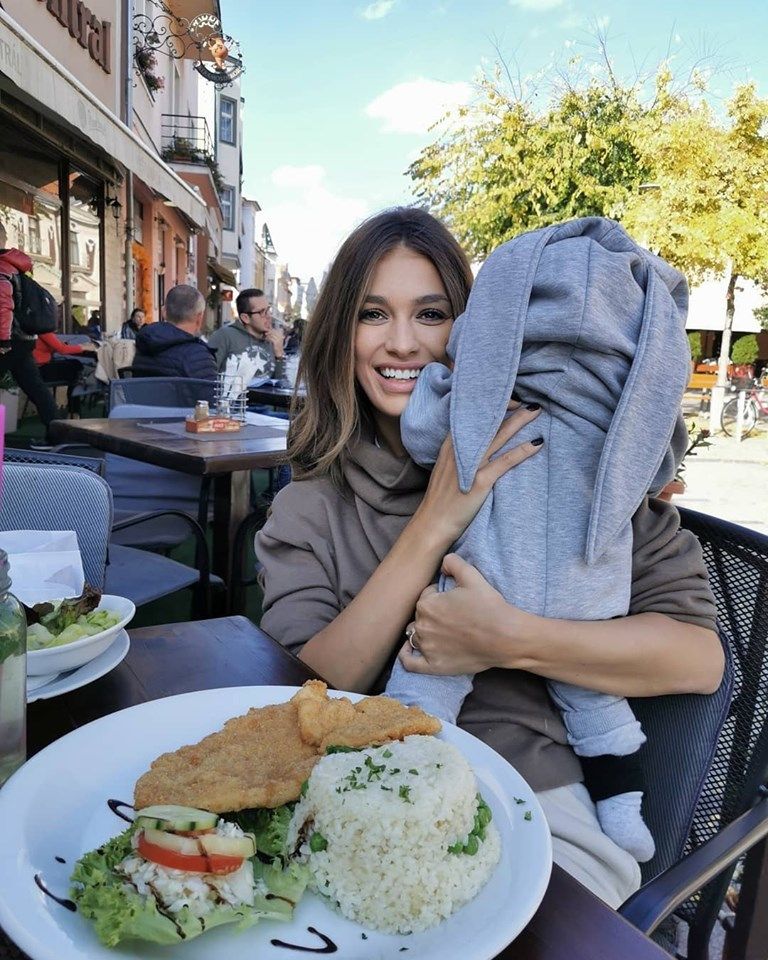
(270, 822)
(59, 683)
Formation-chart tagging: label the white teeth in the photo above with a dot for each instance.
(391, 373)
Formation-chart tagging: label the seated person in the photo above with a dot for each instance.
(175, 348)
(133, 324)
(251, 333)
(61, 370)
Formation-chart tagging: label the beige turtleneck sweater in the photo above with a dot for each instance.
(320, 545)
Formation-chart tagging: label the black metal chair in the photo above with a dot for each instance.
(94, 464)
(706, 801)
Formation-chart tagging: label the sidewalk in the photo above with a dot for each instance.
(729, 479)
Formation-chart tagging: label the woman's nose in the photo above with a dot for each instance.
(401, 338)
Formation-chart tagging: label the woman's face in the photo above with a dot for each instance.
(404, 324)
(139, 319)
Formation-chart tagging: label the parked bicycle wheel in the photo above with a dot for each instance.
(730, 414)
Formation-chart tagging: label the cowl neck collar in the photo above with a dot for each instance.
(386, 483)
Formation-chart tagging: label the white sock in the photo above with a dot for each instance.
(622, 821)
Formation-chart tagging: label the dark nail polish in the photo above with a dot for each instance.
(533, 406)
(537, 442)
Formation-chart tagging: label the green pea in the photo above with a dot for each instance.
(457, 847)
(485, 816)
(472, 845)
(317, 842)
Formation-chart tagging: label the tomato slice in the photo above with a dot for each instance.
(212, 863)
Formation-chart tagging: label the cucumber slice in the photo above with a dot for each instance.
(169, 817)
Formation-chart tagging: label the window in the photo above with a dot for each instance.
(227, 197)
(35, 247)
(227, 120)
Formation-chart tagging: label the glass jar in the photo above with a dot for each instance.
(13, 677)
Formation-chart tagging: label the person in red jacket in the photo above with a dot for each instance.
(15, 345)
(61, 370)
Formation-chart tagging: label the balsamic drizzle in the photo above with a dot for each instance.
(113, 806)
(60, 860)
(68, 904)
(329, 945)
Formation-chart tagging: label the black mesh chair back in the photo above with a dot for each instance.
(159, 391)
(707, 757)
(94, 464)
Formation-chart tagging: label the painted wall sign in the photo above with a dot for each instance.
(93, 34)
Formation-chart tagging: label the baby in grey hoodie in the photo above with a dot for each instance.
(581, 320)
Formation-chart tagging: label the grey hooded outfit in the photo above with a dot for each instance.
(581, 320)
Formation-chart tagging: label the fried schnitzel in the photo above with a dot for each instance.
(262, 758)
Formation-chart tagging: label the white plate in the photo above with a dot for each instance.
(55, 806)
(64, 682)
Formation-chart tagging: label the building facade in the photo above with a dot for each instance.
(108, 176)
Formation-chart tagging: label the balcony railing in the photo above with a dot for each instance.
(186, 139)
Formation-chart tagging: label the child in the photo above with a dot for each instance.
(581, 320)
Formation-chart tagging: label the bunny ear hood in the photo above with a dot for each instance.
(591, 274)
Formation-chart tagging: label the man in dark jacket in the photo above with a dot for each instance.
(174, 348)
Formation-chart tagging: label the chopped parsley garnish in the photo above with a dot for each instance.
(528, 815)
(405, 793)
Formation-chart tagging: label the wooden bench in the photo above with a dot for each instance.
(702, 381)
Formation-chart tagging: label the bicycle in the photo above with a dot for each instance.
(755, 406)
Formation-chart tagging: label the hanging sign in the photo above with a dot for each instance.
(226, 63)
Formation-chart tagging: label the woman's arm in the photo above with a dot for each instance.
(58, 346)
(353, 649)
(667, 644)
(472, 628)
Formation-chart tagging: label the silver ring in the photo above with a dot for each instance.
(410, 633)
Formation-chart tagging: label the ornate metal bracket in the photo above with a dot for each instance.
(179, 38)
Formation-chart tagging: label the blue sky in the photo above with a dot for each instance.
(339, 94)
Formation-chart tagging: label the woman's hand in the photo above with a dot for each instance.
(464, 630)
(445, 511)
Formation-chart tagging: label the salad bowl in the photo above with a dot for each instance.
(75, 653)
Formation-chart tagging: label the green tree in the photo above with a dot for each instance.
(710, 213)
(695, 343)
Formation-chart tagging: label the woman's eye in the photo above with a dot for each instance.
(433, 316)
(371, 316)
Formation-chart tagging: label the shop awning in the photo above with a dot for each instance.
(222, 273)
(61, 96)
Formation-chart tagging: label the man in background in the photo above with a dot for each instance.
(175, 348)
(252, 333)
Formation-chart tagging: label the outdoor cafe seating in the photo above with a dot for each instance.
(706, 760)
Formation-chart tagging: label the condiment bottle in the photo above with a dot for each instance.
(13, 677)
(201, 410)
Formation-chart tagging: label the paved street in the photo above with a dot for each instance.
(729, 479)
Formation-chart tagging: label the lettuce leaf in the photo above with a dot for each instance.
(269, 827)
(120, 913)
(286, 885)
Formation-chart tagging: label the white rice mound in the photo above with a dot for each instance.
(387, 864)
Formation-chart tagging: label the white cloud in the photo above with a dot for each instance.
(310, 221)
(413, 106)
(377, 10)
(537, 5)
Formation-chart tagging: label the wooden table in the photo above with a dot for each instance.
(279, 397)
(571, 924)
(227, 461)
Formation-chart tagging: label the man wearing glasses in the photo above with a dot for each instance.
(251, 333)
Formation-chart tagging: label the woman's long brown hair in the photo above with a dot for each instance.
(329, 418)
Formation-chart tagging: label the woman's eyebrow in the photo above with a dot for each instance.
(427, 298)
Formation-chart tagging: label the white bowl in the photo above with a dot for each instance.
(72, 655)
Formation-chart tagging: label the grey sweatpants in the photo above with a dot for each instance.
(581, 848)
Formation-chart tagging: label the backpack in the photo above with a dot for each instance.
(34, 309)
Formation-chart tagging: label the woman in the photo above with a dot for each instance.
(133, 324)
(61, 370)
(354, 544)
